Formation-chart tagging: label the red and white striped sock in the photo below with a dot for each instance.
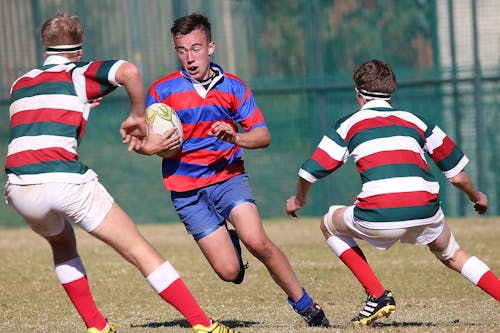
(168, 284)
(479, 274)
(72, 276)
(352, 256)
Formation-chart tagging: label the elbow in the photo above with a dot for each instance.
(454, 180)
(259, 138)
(126, 72)
(267, 141)
(459, 179)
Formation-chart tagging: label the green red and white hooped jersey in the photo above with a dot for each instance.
(49, 108)
(389, 148)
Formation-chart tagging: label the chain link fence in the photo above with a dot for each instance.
(297, 57)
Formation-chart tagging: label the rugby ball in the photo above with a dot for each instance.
(160, 118)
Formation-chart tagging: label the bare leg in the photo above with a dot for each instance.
(470, 267)
(248, 224)
(71, 274)
(63, 245)
(119, 231)
(219, 250)
(220, 253)
(341, 241)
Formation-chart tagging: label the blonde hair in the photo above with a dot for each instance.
(62, 29)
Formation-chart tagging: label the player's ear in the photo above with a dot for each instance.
(211, 47)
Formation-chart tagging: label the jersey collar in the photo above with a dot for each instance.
(376, 103)
(202, 92)
(55, 60)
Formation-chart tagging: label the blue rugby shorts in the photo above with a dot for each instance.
(205, 209)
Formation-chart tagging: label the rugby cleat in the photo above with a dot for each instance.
(216, 327)
(375, 308)
(315, 316)
(110, 328)
(237, 247)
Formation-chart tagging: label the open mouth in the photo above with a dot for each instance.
(192, 69)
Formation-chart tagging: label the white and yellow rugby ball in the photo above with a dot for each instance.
(160, 118)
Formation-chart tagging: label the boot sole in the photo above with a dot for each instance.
(386, 311)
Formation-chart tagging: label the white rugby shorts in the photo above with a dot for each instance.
(383, 239)
(46, 207)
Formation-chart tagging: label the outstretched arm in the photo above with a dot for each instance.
(463, 182)
(296, 202)
(133, 129)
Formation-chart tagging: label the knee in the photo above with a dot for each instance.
(448, 251)
(228, 272)
(323, 228)
(327, 225)
(261, 249)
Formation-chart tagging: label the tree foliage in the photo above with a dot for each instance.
(325, 36)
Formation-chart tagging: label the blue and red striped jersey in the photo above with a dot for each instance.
(205, 159)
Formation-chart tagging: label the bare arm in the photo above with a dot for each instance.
(463, 182)
(254, 139)
(133, 129)
(299, 200)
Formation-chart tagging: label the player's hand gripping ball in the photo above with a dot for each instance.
(160, 118)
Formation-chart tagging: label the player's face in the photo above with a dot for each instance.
(193, 52)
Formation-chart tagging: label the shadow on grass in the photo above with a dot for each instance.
(417, 324)
(184, 323)
(240, 323)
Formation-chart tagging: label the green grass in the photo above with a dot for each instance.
(430, 298)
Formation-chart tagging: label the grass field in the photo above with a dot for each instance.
(430, 298)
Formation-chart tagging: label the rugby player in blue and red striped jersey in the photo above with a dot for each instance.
(399, 197)
(50, 187)
(206, 178)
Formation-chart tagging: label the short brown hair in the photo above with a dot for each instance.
(375, 76)
(186, 24)
(62, 29)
